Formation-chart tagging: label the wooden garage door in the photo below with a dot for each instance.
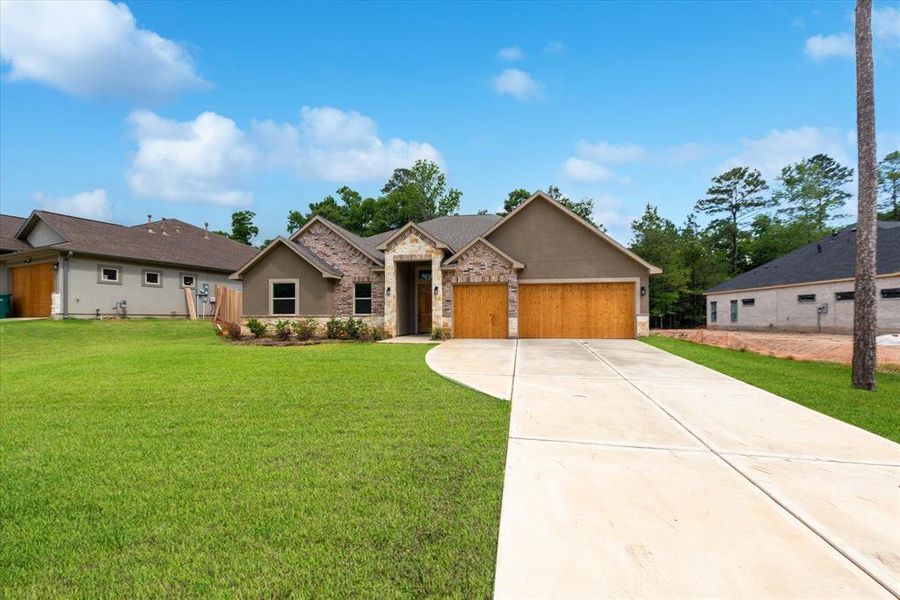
(576, 310)
(480, 311)
(32, 287)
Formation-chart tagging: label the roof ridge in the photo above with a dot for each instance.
(59, 214)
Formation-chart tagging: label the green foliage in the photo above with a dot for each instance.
(242, 472)
(735, 194)
(812, 190)
(353, 327)
(335, 329)
(438, 333)
(377, 334)
(889, 186)
(283, 329)
(416, 193)
(771, 237)
(514, 199)
(242, 228)
(305, 329)
(257, 327)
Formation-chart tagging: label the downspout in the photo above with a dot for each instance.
(66, 285)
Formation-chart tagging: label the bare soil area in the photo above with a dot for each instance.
(829, 347)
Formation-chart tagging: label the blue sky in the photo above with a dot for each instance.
(193, 110)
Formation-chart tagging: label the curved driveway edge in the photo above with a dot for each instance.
(633, 472)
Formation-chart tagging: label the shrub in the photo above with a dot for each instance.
(437, 333)
(234, 331)
(377, 334)
(335, 329)
(306, 329)
(257, 327)
(364, 332)
(283, 330)
(352, 327)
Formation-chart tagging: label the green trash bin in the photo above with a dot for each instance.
(5, 305)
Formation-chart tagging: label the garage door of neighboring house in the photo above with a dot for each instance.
(576, 310)
(32, 288)
(480, 310)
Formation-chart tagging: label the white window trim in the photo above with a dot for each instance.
(296, 283)
(181, 277)
(144, 281)
(102, 280)
(369, 298)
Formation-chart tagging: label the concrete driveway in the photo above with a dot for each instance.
(631, 472)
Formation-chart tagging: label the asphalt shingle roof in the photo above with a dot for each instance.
(831, 257)
(171, 241)
(9, 225)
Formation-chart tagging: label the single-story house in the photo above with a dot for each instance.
(63, 266)
(810, 289)
(540, 271)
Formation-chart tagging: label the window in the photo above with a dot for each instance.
(890, 293)
(362, 298)
(152, 278)
(734, 311)
(805, 298)
(748, 301)
(713, 311)
(109, 274)
(838, 296)
(425, 275)
(283, 296)
(188, 280)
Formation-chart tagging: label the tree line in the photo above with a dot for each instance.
(750, 224)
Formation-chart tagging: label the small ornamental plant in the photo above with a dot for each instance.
(257, 327)
(437, 333)
(335, 329)
(352, 327)
(282, 330)
(305, 329)
(234, 331)
(377, 334)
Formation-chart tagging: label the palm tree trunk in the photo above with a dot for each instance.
(864, 318)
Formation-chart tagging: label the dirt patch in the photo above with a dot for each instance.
(827, 347)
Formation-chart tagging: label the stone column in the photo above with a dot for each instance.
(390, 297)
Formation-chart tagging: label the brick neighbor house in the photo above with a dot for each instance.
(540, 271)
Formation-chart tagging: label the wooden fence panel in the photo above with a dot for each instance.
(229, 304)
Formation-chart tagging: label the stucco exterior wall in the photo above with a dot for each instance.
(315, 292)
(778, 308)
(43, 235)
(553, 245)
(86, 295)
(355, 266)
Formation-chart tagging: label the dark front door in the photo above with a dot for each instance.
(423, 307)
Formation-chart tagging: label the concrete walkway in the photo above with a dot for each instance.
(631, 472)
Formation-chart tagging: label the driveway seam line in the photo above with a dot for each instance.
(759, 487)
(608, 444)
(807, 459)
(512, 383)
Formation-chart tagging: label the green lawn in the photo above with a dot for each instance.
(150, 458)
(821, 386)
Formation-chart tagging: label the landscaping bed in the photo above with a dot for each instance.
(147, 458)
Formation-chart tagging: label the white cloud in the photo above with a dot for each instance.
(885, 31)
(510, 53)
(680, 154)
(92, 205)
(91, 49)
(554, 47)
(517, 84)
(191, 161)
(779, 148)
(605, 152)
(585, 171)
(820, 47)
(334, 145)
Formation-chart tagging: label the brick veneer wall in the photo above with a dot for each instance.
(481, 264)
(356, 267)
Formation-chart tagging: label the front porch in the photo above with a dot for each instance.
(413, 290)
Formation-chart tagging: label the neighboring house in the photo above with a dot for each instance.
(810, 289)
(63, 266)
(541, 271)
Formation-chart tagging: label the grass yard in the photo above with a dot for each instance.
(821, 386)
(150, 458)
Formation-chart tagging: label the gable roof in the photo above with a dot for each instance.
(459, 230)
(9, 226)
(831, 257)
(513, 262)
(540, 195)
(439, 243)
(366, 245)
(327, 270)
(169, 241)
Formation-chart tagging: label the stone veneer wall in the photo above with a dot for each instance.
(481, 264)
(412, 246)
(356, 267)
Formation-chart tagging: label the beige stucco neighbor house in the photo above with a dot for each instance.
(810, 289)
(540, 271)
(61, 266)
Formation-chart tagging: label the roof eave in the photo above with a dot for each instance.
(289, 244)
